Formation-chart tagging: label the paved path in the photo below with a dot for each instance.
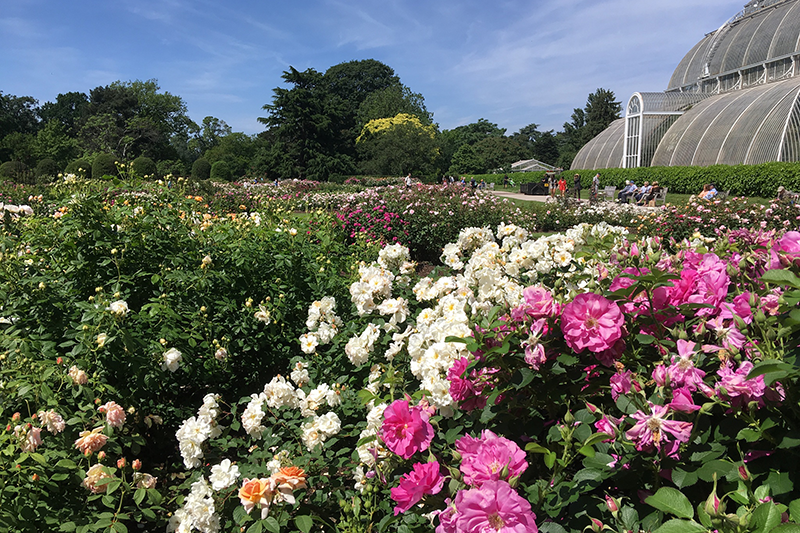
(520, 196)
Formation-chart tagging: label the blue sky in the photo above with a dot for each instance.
(512, 62)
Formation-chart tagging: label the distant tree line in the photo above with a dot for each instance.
(356, 118)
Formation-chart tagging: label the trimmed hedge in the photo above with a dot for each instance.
(201, 169)
(220, 171)
(47, 167)
(144, 167)
(104, 165)
(742, 180)
(16, 171)
(81, 168)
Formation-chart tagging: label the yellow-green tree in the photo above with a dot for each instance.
(397, 145)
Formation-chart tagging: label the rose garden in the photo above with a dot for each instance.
(309, 357)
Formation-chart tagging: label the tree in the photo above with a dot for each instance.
(470, 134)
(541, 145)
(236, 149)
(52, 142)
(601, 110)
(70, 110)
(209, 134)
(17, 114)
(467, 161)
(301, 120)
(398, 145)
(391, 101)
(498, 152)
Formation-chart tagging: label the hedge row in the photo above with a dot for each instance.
(742, 180)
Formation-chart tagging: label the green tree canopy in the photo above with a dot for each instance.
(398, 145)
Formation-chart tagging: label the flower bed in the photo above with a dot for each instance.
(170, 362)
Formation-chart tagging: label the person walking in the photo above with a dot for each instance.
(562, 187)
(595, 190)
(505, 181)
(577, 185)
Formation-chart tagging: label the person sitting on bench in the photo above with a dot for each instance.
(626, 192)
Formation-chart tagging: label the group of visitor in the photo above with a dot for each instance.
(709, 192)
(641, 195)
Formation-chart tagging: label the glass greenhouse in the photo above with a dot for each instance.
(733, 99)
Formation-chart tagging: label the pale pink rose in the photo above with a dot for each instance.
(115, 414)
(591, 322)
(52, 420)
(425, 478)
(91, 441)
(93, 476)
(660, 375)
(32, 440)
(539, 302)
(78, 376)
(535, 355)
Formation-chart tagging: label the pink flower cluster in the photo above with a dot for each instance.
(406, 430)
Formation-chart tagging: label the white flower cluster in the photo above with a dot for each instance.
(319, 428)
(223, 475)
(375, 283)
(198, 511)
(281, 393)
(322, 324)
(196, 430)
(395, 257)
(359, 348)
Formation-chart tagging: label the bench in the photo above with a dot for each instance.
(723, 195)
(660, 196)
(609, 193)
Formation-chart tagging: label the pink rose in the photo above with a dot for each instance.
(115, 414)
(495, 506)
(591, 322)
(405, 430)
(653, 431)
(539, 301)
(490, 458)
(424, 479)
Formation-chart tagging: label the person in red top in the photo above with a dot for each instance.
(562, 186)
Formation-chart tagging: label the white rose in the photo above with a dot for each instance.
(119, 308)
(172, 359)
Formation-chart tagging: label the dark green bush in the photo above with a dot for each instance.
(104, 165)
(220, 171)
(144, 166)
(201, 169)
(47, 168)
(171, 169)
(16, 171)
(81, 168)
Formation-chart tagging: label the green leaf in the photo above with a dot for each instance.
(139, 495)
(769, 367)
(304, 523)
(682, 478)
(787, 528)
(643, 338)
(66, 463)
(67, 527)
(766, 517)
(671, 501)
(680, 526)
(781, 277)
(255, 528)
(535, 447)
(522, 377)
(39, 458)
(794, 510)
(119, 526)
(272, 525)
(550, 459)
(551, 527)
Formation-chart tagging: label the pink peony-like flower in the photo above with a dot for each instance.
(405, 430)
(424, 479)
(739, 391)
(621, 383)
(682, 401)
(609, 425)
(739, 307)
(591, 322)
(651, 430)
(489, 458)
(115, 414)
(494, 507)
(539, 302)
(682, 372)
